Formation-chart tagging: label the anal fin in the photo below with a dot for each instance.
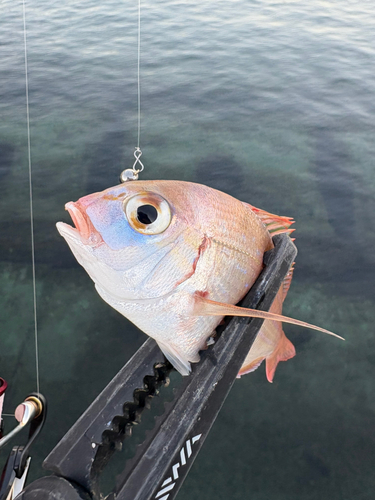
(284, 351)
(250, 368)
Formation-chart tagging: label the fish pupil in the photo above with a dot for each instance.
(147, 214)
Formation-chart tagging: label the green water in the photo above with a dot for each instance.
(270, 101)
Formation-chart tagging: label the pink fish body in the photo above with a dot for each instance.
(168, 255)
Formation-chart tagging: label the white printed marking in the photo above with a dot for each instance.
(182, 456)
(165, 490)
(196, 438)
(174, 470)
(188, 448)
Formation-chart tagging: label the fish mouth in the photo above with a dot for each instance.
(79, 219)
(84, 229)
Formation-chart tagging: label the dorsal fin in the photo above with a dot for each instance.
(275, 224)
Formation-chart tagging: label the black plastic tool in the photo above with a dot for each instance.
(163, 460)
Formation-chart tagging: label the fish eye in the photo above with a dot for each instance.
(148, 213)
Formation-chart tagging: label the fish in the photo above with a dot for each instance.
(174, 257)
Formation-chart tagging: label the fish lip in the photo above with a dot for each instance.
(79, 220)
(83, 230)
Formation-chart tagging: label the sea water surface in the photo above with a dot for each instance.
(271, 101)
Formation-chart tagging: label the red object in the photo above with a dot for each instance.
(3, 386)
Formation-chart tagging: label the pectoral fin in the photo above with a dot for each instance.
(206, 307)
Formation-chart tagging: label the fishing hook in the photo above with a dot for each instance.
(131, 174)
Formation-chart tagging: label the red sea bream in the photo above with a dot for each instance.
(174, 257)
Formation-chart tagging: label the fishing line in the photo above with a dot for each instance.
(31, 199)
(139, 74)
(131, 174)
